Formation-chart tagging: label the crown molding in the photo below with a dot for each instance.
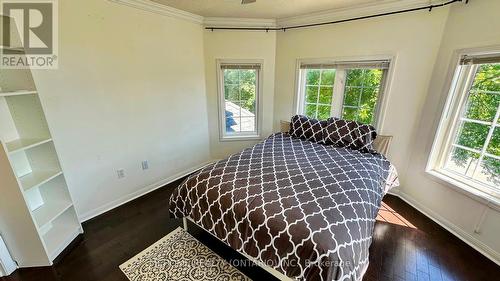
(239, 22)
(353, 11)
(311, 18)
(160, 9)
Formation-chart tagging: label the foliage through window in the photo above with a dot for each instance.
(349, 91)
(319, 93)
(239, 86)
(474, 151)
(361, 94)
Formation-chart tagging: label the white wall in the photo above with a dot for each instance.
(238, 45)
(130, 87)
(413, 39)
(474, 25)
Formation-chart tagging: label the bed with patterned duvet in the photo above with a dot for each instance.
(299, 206)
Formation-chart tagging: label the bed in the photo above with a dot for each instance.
(299, 209)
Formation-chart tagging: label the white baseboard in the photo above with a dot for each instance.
(145, 190)
(394, 191)
(452, 228)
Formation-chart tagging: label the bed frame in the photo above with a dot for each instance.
(269, 269)
(381, 145)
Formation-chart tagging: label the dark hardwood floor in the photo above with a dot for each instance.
(406, 246)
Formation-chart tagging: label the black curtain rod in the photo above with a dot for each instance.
(429, 7)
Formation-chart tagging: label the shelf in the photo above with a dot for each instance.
(31, 180)
(64, 230)
(23, 144)
(50, 211)
(17, 93)
(38, 178)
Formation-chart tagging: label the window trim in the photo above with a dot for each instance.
(382, 104)
(223, 135)
(458, 81)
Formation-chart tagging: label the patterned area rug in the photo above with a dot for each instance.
(180, 257)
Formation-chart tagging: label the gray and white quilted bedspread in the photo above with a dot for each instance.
(305, 209)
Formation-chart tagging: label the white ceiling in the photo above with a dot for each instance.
(265, 9)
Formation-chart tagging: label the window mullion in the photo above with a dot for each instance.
(338, 93)
(303, 91)
(319, 91)
(486, 92)
(492, 155)
(239, 95)
(222, 102)
(477, 121)
(467, 148)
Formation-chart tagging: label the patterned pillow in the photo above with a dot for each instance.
(305, 128)
(350, 134)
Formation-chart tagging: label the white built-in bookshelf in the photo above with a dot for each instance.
(37, 217)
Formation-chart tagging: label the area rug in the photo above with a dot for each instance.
(180, 257)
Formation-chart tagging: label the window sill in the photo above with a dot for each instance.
(469, 189)
(240, 138)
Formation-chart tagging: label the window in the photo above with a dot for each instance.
(239, 91)
(347, 90)
(470, 145)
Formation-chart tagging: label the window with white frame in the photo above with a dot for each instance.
(239, 94)
(347, 90)
(470, 147)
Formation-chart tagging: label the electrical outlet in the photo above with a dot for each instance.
(145, 165)
(120, 173)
